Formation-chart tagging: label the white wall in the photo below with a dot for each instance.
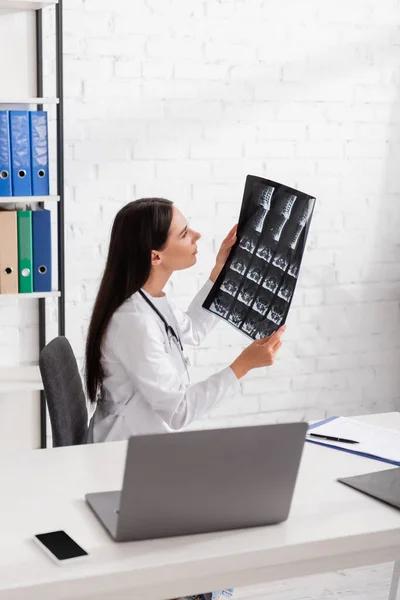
(182, 99)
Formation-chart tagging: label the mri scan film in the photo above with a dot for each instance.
(255, 288)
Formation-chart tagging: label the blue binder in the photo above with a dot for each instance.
(314, 425)
(41, 243)
(5, 155)
(20, 153)
(39, 152)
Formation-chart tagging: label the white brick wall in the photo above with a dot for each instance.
(182, 99)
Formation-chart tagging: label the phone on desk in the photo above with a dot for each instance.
(60, 547)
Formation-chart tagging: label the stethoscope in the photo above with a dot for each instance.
(171, 333)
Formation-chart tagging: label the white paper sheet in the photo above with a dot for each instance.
(375, 441)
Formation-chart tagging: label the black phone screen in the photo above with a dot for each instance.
(61, 545)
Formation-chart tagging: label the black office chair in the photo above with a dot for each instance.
(64, 393)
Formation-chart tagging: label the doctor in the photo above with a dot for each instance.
(136, 370)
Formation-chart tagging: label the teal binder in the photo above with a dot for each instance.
(25, 254)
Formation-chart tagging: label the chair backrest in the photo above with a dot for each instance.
(64, 393)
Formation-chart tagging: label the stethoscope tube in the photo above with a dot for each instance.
(171, 333)
(168, 328)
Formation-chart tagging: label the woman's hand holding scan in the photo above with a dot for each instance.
(223, 253)
(261, 353)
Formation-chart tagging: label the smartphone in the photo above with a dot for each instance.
(60, 547)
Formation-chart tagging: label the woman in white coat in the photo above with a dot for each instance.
(136, 370)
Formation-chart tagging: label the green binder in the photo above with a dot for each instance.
(25, 265)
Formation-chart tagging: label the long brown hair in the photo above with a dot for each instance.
(139, 227)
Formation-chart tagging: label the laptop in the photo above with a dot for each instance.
(202, 481)
(382, 485)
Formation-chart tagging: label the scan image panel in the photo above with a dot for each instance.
(221, 304)
(231, 283)
(240, 262)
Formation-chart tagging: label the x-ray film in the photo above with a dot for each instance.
(255, 288)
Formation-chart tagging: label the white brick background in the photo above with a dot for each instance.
(182, 99)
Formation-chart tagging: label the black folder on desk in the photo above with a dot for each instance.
(383, 485)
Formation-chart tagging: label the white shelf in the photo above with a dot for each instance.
(10, 100)
(20, 379)
(31, 295)
(21, 5)
(28, 199)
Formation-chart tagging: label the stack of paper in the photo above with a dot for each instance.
(373, 441)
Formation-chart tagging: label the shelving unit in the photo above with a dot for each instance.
(5, 100)
(26, 378)
(20, 5)
(29, 297)
(28, 199)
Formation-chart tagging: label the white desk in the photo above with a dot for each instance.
(330, 527)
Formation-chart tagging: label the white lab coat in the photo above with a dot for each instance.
(146, 387)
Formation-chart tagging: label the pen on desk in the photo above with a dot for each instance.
(332, 438)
